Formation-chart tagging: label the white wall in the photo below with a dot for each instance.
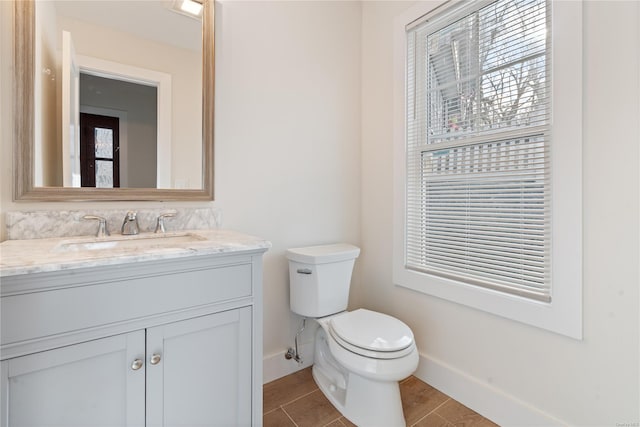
(288, 137)
(545, 376)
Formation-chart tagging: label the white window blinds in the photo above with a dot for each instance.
(478, 135)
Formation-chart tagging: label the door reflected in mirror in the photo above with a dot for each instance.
(135, 65)
(99, 151)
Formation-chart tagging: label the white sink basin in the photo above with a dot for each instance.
(140, 241)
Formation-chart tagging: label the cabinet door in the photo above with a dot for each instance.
(84, 385)
(202, 371)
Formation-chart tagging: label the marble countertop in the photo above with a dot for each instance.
(63, 253)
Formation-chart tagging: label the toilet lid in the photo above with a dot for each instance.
(373, 331)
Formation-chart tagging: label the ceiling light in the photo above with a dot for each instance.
(191, 7)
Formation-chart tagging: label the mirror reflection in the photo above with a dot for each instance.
(118, 95)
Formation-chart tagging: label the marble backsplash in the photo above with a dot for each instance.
(45, 224)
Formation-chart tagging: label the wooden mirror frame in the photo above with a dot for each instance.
(24, 123)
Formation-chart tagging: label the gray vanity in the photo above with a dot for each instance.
(147, 330)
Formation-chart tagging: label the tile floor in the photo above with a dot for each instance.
(295, 400)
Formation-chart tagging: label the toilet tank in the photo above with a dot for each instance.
(320, 277)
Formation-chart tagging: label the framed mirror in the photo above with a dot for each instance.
(81, 129)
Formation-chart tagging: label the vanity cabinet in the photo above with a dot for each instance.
(203, 376)
(86, 384)
(161, 343)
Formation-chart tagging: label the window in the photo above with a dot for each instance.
(478, 186)
(478, 139)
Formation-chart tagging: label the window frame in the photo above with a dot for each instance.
(563, 314)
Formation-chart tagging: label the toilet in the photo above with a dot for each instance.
(359, 355)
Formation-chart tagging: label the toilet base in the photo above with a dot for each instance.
(363, 401)
(367, 403)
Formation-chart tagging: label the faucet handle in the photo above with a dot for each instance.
(102, 226)
(160, 222)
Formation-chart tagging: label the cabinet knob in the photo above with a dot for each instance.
(137, 364)
(155, 359)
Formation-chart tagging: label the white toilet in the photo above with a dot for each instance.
(360, 355)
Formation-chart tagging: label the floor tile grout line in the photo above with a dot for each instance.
(270, 411)
(433, 411)
(334, 420)
(288, 416)
(295, 399)
(442, 418)
(298, 398)
(449, 423)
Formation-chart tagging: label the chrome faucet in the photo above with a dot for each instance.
(130, 224)
(160, 223)
(103, 231)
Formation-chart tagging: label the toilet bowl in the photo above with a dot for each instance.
(359, 355)
(362, 380)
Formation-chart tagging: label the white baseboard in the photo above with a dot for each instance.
(490, 402)
(276, 366)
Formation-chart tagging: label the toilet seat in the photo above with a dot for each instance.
(371, 334)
